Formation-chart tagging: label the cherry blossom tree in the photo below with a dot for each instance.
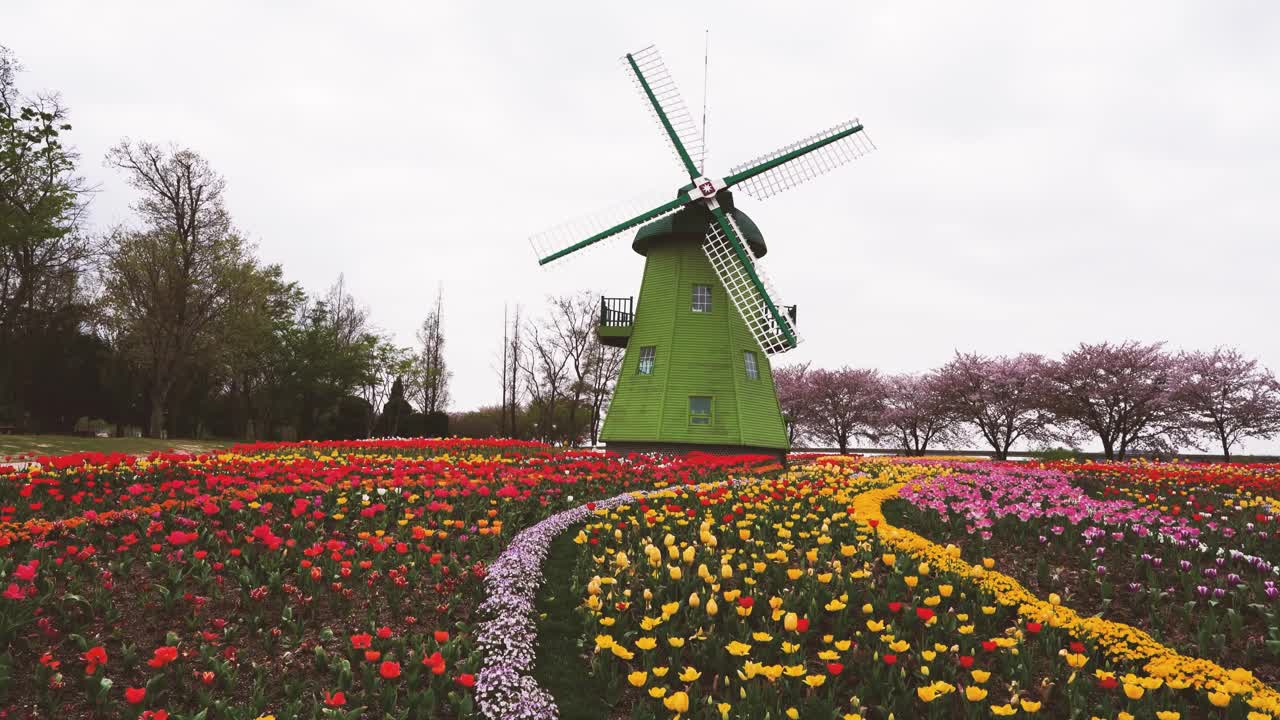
(1124, 394)
(1228, 397)
(916, 413)
(1002, 397)
(841, 404)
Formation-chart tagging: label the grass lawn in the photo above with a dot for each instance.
(15, 445)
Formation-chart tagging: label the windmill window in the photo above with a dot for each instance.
(702, 298)
(699, 410)
(753, 370)
(647, 355)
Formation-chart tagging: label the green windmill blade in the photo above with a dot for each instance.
(620, 220)
(792, 165)
(661, 96)
(746, 285)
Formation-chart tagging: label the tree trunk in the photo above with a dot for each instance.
(155, 426)
(1226, 450)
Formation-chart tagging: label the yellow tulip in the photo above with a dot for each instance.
(657, 692)
(790, 622)
(638, 678)
(973, 693)
(689, 674)
(1133, 692)
(712, 607)
(927, 694)
(1167, 715)
(738, 648)
(647, 643)
(1032, 706)
(1003, 710)
(1219, 699)
(980, 676)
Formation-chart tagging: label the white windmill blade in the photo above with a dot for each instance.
(620, 220)
(742, 290)
(650, 76)
(792, 165)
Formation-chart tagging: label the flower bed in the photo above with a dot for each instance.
(1193, 564)
(794, 598)
(285, 580)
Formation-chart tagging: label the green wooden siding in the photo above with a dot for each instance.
(698, 354)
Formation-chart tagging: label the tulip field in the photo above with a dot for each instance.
(504, 579)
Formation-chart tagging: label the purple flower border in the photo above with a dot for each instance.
(508, 636)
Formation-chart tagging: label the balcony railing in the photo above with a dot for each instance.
(616, 312)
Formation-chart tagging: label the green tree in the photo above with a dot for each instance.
(43, 253)
(168, 285)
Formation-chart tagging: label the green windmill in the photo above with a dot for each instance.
(696, 372)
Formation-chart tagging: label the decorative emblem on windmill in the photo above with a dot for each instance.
(696, 373)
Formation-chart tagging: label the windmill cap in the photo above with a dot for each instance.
(690, 223)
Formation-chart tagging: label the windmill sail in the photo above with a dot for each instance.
(792, 165)
(622, 219)
(661, 96)
(754, 300)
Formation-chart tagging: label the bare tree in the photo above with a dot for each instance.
(167, 284)
(547, 378)
(431, 374)
(606, 363)
(916, 413)
(1003, 397)
(389, 363)
(510, 373)
(1229, 397)
(1125, 395)
(571, 326)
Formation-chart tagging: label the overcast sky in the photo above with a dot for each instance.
(1047, 173)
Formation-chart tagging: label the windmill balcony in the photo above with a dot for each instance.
(616, 318)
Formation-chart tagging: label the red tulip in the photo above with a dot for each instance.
(924, 614)
(802, 625)
(895, 607)
(835, 668)
(890, 659)
(334, 699)
(966, 661)
(389, 670)
(467, 680)
(1034, 627)
(442, 636)
(94, 656)
(361, 641)
(133, 696)
(162, 656)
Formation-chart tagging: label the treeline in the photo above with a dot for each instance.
(1129, 397)
(170, 324)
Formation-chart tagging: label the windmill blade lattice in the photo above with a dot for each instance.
(848, 142)
(751, 305)
(624, 219)
(653, 72)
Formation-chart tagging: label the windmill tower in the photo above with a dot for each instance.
(696, 373)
